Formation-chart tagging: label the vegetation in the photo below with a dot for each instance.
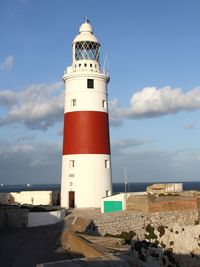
(150, 232)
(38, 208)
(168, 195)
(127, 236)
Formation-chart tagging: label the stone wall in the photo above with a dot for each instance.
(137, 221)
(148, 203)
(138, 203)
(13, 218)
(173, 204)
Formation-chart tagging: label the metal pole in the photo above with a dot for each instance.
(125, 189)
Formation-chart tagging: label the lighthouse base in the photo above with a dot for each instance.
(86, 179)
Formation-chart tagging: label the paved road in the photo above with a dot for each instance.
(29, 246)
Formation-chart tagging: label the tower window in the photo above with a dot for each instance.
(107, 164)
(85, 65)
(72, 163)
(90, 83)
(79, 65)
(90, 65)
(104, 103)
(73, 102)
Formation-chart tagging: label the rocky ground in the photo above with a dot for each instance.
(172, 246)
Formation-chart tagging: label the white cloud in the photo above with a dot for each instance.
(153, 102)
(38, 106)
(8, 63)
(115, 113)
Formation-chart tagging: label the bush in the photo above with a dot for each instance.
(150, 230)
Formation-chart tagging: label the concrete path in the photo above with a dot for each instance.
(30, 246)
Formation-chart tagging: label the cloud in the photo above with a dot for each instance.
(38, 106)
(8, 63)
(152, 102)
(121, 144)
(38, 162)
(189, 126)
(27, 162)
(115, 113)
(156, 165)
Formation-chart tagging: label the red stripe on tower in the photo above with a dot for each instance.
(86, 132)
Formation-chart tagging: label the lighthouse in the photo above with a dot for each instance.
(86, 162)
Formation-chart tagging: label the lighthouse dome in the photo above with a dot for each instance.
(85, 33)
(86, 27)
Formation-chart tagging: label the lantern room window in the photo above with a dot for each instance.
(87, 50)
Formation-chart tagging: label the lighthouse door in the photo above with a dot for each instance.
(71, 199)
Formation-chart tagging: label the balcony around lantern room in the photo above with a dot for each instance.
(83, 66)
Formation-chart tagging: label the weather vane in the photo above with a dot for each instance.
(86, 19)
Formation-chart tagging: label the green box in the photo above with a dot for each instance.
(110, 206)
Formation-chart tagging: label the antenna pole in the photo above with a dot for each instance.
(104, 64)
(125, 179)
(125, 185)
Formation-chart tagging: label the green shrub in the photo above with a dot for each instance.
(150, 232)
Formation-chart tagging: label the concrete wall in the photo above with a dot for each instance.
(14, 217)
(73, 243)
(45, 218)
(32, 197)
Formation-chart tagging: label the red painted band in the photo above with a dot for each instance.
(86, 132)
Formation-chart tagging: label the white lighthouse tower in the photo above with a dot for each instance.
(86, 165)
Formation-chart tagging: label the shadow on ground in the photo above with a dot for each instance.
(30, 246)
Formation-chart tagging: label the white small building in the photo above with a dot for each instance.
(117, 202)
(168, 188)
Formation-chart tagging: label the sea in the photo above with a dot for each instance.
(117, 187)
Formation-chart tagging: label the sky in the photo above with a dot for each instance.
(153, 59)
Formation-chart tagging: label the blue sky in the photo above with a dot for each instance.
(153, 58)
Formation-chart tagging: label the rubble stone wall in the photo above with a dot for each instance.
(137, 221)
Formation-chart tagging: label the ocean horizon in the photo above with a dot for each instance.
(117, 187)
